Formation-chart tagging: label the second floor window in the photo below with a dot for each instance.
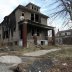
(32, 17)
(62, 34)
(68, 33)
(22, 13)
(35, 17)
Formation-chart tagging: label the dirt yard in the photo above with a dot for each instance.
(60, 61)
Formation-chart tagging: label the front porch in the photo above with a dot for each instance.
(29, 29)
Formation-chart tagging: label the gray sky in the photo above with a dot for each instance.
(7, 6)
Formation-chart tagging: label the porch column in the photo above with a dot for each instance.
(53, 37)
(24, 34)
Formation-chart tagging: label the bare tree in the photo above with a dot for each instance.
(63, 9)
(67, 7)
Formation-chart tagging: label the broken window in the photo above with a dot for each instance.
(37, 9)
(6, 33)
(36, 17)
(32, 17)
(3, 35)
(65, 34)
(22, 13)
(32, 7)
(42, 42)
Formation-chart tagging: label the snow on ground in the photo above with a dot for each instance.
(10, 59)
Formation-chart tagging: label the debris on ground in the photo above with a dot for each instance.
(37, 66)
(64, 65)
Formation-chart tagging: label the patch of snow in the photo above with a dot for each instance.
(10, 59)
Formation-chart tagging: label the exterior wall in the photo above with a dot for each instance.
(18, 13)
(27, 15)
(64, 37)
(30, 6)
(0, 33)
(45, 42)
(30, 43)
(58, 41)
(40, 37)
(43, 20)
(16, 33)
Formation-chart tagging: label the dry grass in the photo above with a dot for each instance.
(63, 53)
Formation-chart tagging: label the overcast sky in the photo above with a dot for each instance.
(7, 6)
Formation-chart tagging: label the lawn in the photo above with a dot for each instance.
(62, 60)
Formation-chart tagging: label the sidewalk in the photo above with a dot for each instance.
(40, 52)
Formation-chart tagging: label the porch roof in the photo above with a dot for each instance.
(40, 25)
(37, 24)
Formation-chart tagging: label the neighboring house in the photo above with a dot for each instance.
(23, 23)
(64, 37)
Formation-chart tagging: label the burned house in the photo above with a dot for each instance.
(64, 37)
(24, 25)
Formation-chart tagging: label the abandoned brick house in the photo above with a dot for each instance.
(64, 37)
(23, 23)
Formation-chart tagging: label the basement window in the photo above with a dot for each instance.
(42, 42)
